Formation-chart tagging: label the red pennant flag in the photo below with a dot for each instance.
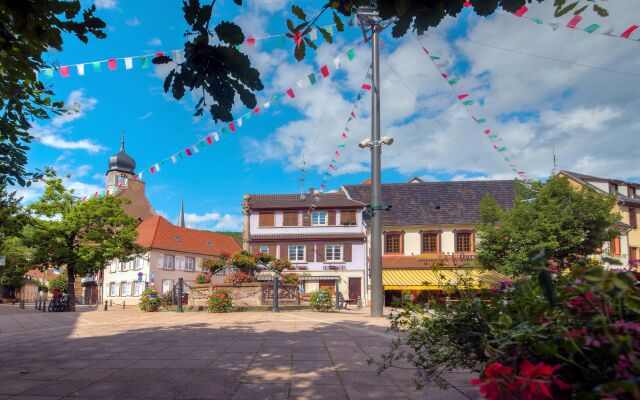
(188, 151)
(84, 198)
(488, 131)
(290, 93)
(112, 64)
(337, 153)
(256, 110)
(153, 170)
(462, 96)
(120, 186)
(159, 53)
(629, 31)
(466, 4)
(325, 71)
(106, 193)
(520, 172)
(574, 21)
(64, 71)
(297, 38)
(209, 140)
(366, 86)
(523, 10)
(232, 127)
(251, 41)
(135, 177)
(425, 50)
(344, 135)
(445, 76)
(352, 114)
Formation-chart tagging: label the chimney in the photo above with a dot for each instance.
(311, 190)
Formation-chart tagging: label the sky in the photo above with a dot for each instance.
(542, 90)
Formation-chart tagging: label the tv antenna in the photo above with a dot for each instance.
(303, 174)
(555, 165)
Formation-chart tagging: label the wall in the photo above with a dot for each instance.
(279, 229)
(413, 238)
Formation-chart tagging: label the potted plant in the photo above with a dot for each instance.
(220, 301)
(149, 301)
(322, 300)
(203, 279)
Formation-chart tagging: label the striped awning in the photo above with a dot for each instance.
(429, 279)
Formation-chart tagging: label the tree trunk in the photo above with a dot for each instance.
(71, 289)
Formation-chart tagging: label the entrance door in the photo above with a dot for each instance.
(354, 288)
(327, 284)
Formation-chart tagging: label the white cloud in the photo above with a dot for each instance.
(214, 221)
(51, 137)
(107, 4)
(155, 42)
(134, 21)
(79, 105)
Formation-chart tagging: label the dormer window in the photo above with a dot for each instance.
(178, 239)
(209, 244)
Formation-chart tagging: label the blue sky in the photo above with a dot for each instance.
(534, 104)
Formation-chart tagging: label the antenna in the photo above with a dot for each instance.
(303, 175)
(555, 165)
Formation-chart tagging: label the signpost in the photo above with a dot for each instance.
(139, 276)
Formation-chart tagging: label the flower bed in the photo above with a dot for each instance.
(322, 300)
(149, 300)
(220, 301)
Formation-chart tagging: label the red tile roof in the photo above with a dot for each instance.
(158, 233)
(35, 273)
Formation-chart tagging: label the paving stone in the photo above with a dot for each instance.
(252, 391)
(318, 392)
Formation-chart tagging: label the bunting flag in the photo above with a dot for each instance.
(465, 100)
(337, 155)
(574, 22)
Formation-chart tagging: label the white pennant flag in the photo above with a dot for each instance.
(313, 35)
(128, 63)
(267, 105)
(80, 68)
(215, 136)
(157, 167)
(239, 122)
(195, 149)
(300, 83)
(336, 62)
(140, 176)
(173, 159)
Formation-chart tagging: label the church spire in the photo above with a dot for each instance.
(181, 216)
(122, 143)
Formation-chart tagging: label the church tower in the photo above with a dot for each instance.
(121, 167)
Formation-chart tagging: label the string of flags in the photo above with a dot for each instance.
(468, 102)
(332, 167)
(325, 71)
(144, 61)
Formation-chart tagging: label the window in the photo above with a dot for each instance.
(348, 217)
(613, 188)
(463, 242)
(429, 242)
(137, 263)
(167, 286)
(137, 288)
(266, 219)
(264, 249)
(113, 267)
(633, 220)
(191, 264)
(169, 262)
(319, 218)
(392, 243)
(290, 218)
(113, 289)
(124, 266)
(333, 252)
(631, 191)
(296, 253)
(125, 289)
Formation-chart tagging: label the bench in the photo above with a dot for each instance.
(343, 303)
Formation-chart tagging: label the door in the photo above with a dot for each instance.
(327, 284)
(354, 288)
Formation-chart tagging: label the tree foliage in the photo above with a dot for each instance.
(563, 223)
(13, 273)
(83, 236)
(28, 30)
(60, 282)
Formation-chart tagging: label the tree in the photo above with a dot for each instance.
(12, 215)
(566, 224)
(28, 30)
(83, 236)
(13, 273)
(220, 71)
(60, 282)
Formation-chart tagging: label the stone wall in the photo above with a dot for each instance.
(246, 294)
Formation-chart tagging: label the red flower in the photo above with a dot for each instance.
(535, 381)
(496, 381)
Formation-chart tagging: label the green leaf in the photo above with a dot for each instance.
(633, 303)
(297, 11)
(562, 11)
(600, 10)
(229, 33)
(402, 6)
(290, 26)
(310, 43)
(300, 51)
(338, 21)
(505, 320)
(326, 35)
(580, 10)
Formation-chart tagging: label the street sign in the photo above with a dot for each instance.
(139, 276)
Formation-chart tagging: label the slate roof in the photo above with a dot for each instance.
(435, 203)
(293, 202)
(158, 233)
(585, 179)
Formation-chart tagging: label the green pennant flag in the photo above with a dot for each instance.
(537, 21)
(434, 57)
(202, 145)
(161, 162)
(247, 116)
(312, 78)
(48, 72)
(341, 146)
(492, 137)
(144, 62)
(180, 156)
(237, 47)
(359, 97)
(333, 161)
(96, 66)
(351, 54)
(453, 81)
(481, 120)
(502, 149)
(224, 131)
(591, 28)
(467, 102)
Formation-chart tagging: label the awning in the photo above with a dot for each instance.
(429, 279)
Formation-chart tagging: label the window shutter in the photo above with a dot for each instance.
(266, 219)
(309, 253)
(284, 252)
(332, 217)
(347, 252)
(306, 220)
(320, 252)
(272, 249)
(179, 262)
(160, 260)
(198, 264)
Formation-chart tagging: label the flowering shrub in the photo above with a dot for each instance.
(290, 278)
(220, 301)
(149, 300)
(585, 344)
(202, 279)
(238, 277)
(322, 300)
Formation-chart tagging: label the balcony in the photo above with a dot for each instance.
(89, 279)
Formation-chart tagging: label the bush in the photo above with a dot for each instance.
(583, 345)
(60, 283)
(203, 279)
(149, 300)
(290, 278)
(238, 277)
(322, 300)
(220, 301)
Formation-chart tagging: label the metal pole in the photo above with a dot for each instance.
(179, 307)
(275, 307)
(377, 295)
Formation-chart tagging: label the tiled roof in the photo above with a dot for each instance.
(435, 203)
(35, 273)
(158, 233)
(309, 236)
(293, 201)
(585, 179)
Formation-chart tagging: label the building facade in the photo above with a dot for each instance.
(625, 248)
(326, 249)
(430, 224)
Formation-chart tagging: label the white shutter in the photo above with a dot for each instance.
(180, 263)
(160, 260)
(198, 264)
